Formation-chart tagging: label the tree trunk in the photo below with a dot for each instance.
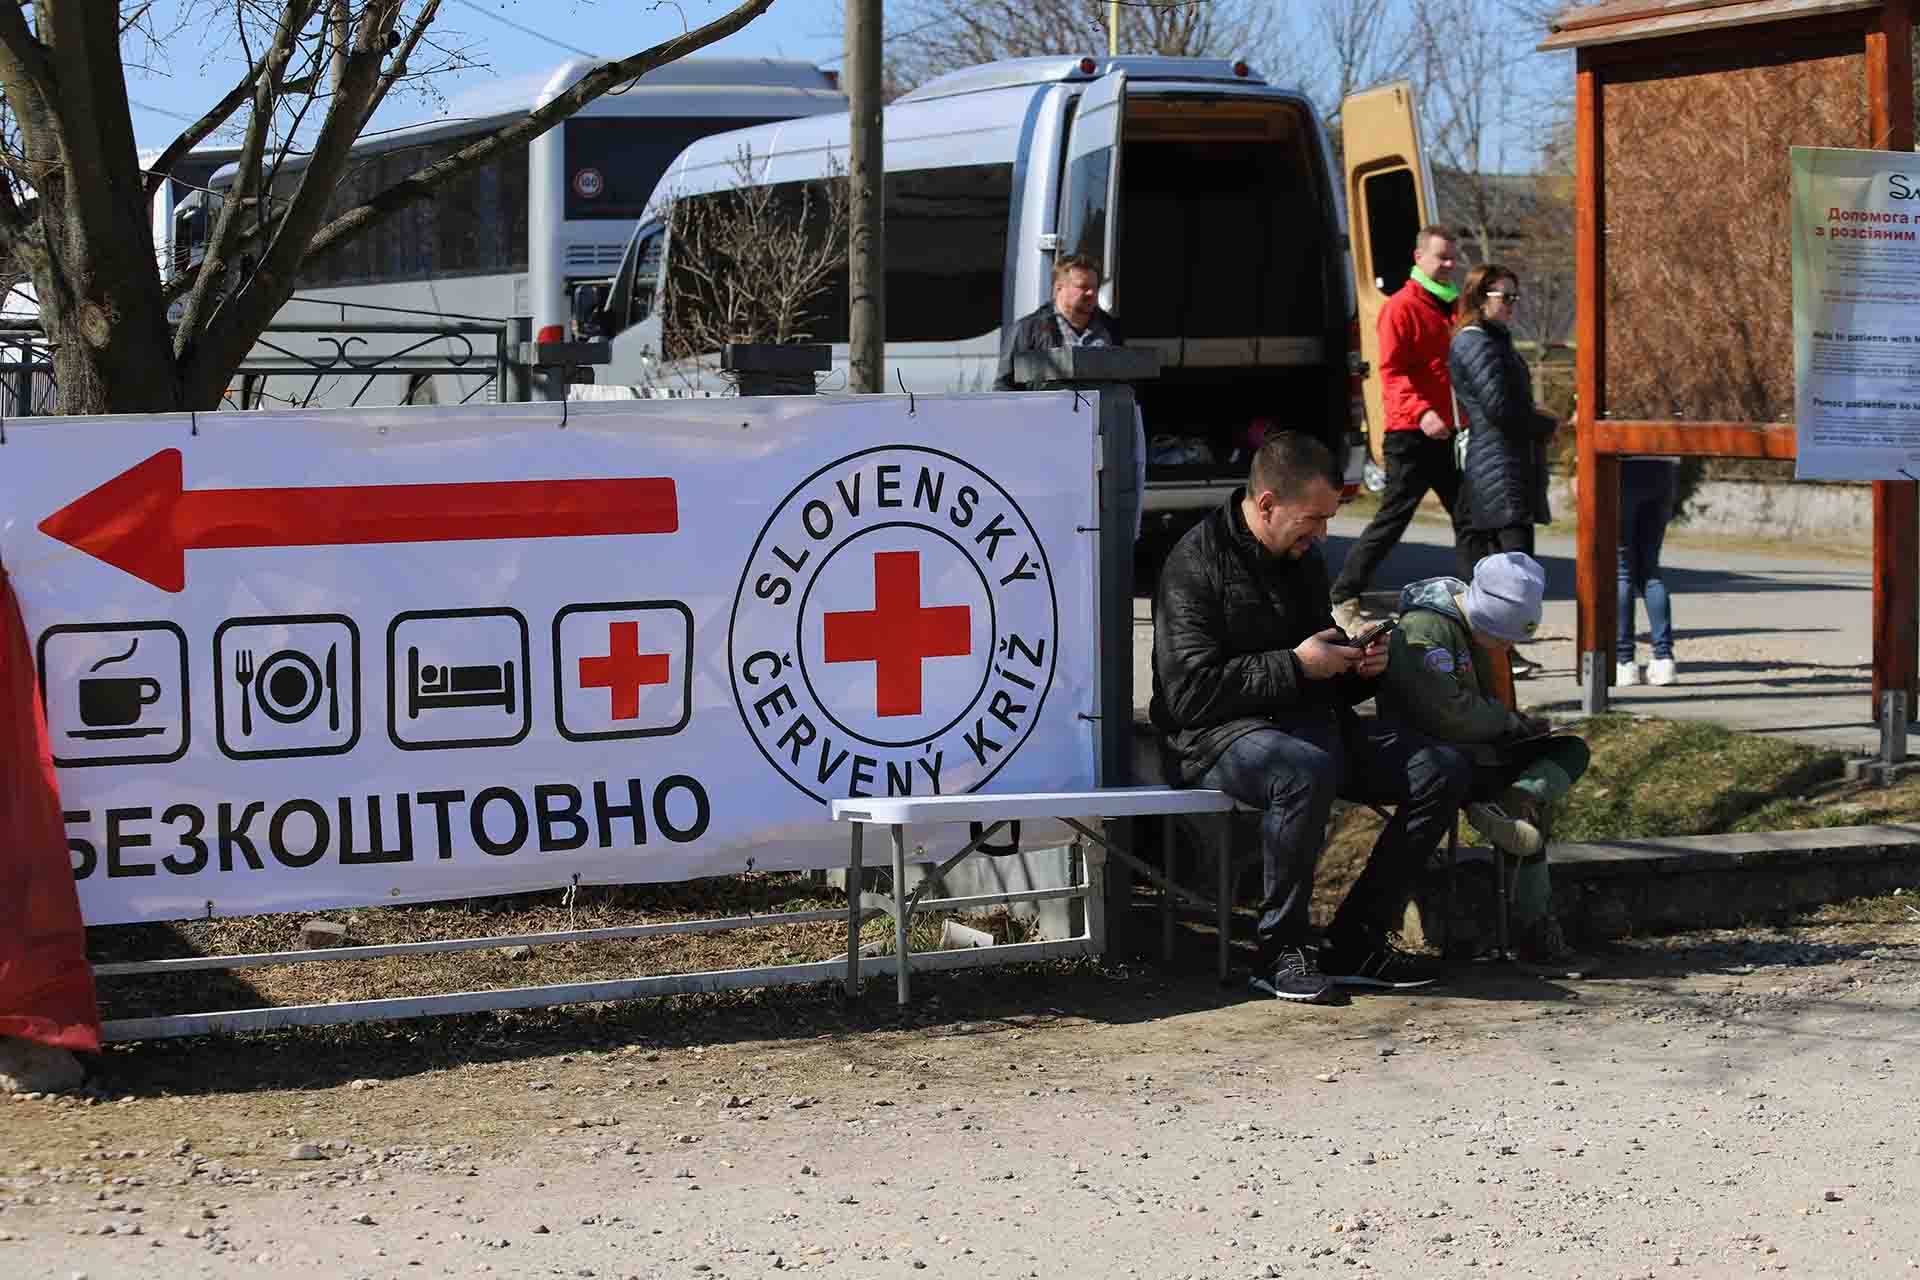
(125, 375)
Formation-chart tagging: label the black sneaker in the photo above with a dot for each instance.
(1295, 977)
(1381, 964)
(1524, 668)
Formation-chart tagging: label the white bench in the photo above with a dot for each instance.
(993, 812)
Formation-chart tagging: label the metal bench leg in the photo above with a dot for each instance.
(1500, 900)
(1451, 949)
(1168, 909)
(901, 955)
(1223, 903)
(855, 889)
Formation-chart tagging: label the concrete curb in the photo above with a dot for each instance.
(1606, 890)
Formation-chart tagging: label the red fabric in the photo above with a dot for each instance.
(46, 985)
(1415, 332)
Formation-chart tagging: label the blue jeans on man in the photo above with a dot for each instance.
(1293, 772)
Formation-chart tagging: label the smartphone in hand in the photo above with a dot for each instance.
(1375, 632)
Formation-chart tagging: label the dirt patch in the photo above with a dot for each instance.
(1731, 1099)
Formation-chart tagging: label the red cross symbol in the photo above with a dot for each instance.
(897, 633)
(624, 669)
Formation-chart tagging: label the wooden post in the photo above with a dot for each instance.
(1896, 504)
(1599, 473)
(866, 184)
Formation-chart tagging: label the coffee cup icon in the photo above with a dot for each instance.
(111, 702)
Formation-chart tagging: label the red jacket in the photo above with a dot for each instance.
(1415, 331)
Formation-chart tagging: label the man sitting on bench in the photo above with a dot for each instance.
(1253, 691)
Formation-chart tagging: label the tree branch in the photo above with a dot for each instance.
(198, 131)
(247, 311)
(13, 222)
(419, 185)
(24, 50)
(221, 243)
(398, 68)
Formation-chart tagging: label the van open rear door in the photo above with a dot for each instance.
(1389, 198)
(1089, 220)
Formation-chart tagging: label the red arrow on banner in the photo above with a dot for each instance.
(144, 520)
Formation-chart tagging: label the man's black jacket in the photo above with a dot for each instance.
(1225, 620)
(1037, 331)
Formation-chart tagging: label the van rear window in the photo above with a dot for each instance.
(1225, 236)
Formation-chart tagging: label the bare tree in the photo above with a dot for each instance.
(1356, 44)
(752, 263)
(74, 203)
(929, 37)
(1466, 91)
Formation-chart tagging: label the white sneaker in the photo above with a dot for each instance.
(1510, 832)
(1662, 671)
(1626, 674)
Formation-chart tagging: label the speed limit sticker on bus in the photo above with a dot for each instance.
(588, 183)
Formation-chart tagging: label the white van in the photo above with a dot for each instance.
(1210, 196)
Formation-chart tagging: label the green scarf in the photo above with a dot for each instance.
(1445, 292)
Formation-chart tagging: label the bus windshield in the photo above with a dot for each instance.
(613, 164)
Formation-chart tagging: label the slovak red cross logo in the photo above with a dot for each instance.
(894, 631)
(898, 634)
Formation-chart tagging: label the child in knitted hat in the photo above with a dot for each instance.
(1437, 683)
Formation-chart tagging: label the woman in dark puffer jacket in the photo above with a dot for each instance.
(1504, 480)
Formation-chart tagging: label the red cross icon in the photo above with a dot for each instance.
(624, 669)
(897, 633)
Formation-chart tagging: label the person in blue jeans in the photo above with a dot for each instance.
(1647, 489)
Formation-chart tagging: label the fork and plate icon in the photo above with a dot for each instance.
(288, 685)
(296, 680)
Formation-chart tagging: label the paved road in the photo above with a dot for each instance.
(1769, 640)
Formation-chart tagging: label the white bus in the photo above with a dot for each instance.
(511, 238)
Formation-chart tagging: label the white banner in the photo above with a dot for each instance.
(302, 660)
(1856, 326)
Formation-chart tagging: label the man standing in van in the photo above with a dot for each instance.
(1415, 330)
(1072, 319)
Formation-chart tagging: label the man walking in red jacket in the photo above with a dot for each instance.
(1415, 331)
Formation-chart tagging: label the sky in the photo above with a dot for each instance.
(172, 84)
(181, 80)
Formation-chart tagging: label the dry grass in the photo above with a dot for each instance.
(757, 894)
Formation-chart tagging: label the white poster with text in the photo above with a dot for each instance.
(316, 659)
(1856, 314)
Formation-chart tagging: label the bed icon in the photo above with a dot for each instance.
(434, 686)
(458, 678)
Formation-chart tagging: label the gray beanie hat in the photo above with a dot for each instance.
(1504, 598)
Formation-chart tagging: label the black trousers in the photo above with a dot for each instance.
(1293, 771)
(1477, 544)
(1415, 463)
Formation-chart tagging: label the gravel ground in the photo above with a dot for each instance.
(1715, 1104)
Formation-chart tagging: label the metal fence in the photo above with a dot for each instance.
(291, 363)
(27, 387)
(1088, 887)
